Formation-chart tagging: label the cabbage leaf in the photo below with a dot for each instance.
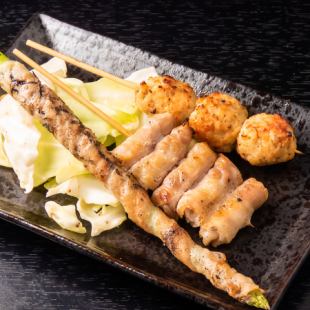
(85, 187)
(64, 216)
(96, 203)
(101, 217)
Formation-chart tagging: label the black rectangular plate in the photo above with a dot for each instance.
(270, 253)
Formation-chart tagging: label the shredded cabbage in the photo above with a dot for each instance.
(142, 75)
(31, 150)
(53, 159)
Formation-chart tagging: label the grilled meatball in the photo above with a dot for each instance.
(266, 139)
(217, 119)
(165, 94)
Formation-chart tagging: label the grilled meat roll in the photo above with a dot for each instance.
(151, 170)
(234, 214)
(191, 169)
(198, 203)
(144, 140)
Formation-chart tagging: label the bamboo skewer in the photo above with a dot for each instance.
(77, 63)
(71, 92)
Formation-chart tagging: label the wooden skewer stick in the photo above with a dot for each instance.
(299, 152)
(77, 63)
(71, 92)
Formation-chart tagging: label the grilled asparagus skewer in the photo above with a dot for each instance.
(51, 111)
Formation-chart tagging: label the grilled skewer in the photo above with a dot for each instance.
(234, 213)
(45, 105)
(198, 161)
(183, 194)
(199, 203)
(151, 170)
(115, 124)
(144, 140)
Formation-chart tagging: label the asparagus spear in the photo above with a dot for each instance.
(257, 299)
(3, 58)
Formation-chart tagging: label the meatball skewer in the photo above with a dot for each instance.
(158, 95)
(165, 94)
(218, 124)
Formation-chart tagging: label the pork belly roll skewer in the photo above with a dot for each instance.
(43, 104)
(198, 203)
(234, 214)
(151, 170)
(191, 169)
(143, 141)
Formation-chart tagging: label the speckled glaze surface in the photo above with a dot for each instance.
(270, 253)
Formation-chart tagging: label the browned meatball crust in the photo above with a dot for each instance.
(165, 94)
(266, 139)
(217, 119)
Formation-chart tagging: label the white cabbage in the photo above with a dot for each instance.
(21, 139)
(85, 187)
(55, 66)
(65, 217)
(101, 217)
(142, 75)
(96, 204)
